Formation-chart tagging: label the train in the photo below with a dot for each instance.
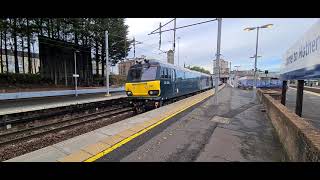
(151, 83)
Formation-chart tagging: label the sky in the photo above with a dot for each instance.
(198, 44)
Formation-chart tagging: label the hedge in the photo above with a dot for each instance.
(12, 78)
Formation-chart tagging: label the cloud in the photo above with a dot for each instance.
(197, 45)
(142, 26)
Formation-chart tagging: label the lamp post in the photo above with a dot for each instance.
(256, 55)
(255, 73)
(235, 77)
(75, 73)
(34, 61)
(178, 50)
(217, 66)
(107, 63)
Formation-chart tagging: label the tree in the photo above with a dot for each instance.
(119, 32)
(22, 33)
(199, 69)
(81, 31)
(29, 32)
(1, 60)
(15, 44)
(5, 31)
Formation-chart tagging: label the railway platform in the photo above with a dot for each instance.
(236, 129)
(8, 107)
(192, 129)
(311, 101)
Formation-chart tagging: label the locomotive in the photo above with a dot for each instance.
(151, 83)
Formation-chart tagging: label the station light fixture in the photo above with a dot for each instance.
(256, 54)
(253, 28)
(249, 29)
(266, 26)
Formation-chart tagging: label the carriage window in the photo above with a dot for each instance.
(173, 75)
(162, 73)
(169, 73)
(178, 76)
(166, 73)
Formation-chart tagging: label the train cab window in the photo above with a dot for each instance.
(134, 74)
(149, 73)
(142, 74)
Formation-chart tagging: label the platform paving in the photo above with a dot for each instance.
(236, 129)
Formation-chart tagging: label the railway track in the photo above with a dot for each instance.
(69, 123)
(59, 126)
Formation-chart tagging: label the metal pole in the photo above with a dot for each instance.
(34, 66)
(160, 36)
(236, 77)
(174, 36)
(65, 72)
(284, 92)
(178, 50)
(75, 72)
(230, 73)
(125, 47)
(217, 62)
(134, 47)
(255, 66)
(107, 64)
(299, 100)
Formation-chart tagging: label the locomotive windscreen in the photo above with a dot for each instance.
(142, 74)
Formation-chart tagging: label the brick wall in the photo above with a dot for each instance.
(299, 138)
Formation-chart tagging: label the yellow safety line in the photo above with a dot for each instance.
(124, 141)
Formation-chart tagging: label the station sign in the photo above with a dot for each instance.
(76, 75)
(302, 60)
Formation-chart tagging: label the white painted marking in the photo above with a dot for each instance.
(305, 91)
(220, 119)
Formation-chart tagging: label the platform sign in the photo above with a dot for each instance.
(76, 75)
(302, 60)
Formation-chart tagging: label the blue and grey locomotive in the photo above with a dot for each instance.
(152, 82)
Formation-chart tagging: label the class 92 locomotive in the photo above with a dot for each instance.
(151, 83)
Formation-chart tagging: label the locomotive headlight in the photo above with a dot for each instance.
(153, 92)
(129, 93)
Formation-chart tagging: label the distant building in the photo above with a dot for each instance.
(60, 60)
(125, 65)
(250, 74)
(34, 60)
(170, 57)
(224, 70)
(242, 73)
